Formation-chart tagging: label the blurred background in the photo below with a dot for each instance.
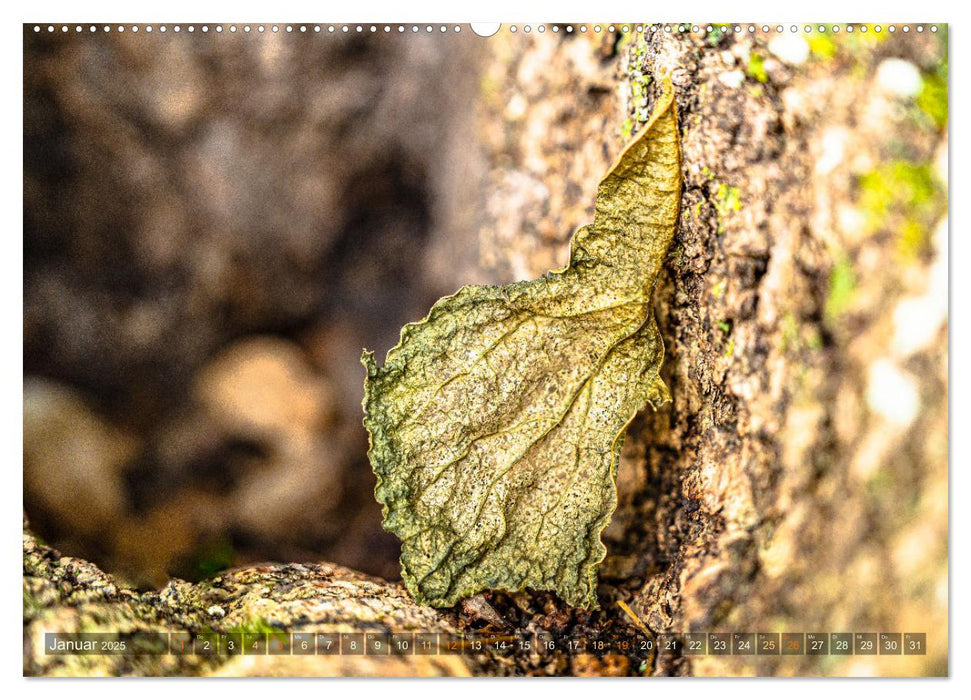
(215, 227)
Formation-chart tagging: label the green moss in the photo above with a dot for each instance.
(858, 42)
(932, 99)
(639, 96)
(756, 67)
(822, 47)
(842, 285)
(728, 200)
(826, 46)
(903, 197)
(893, 182)
(870, 36)
(626, 129)
(639, 79)
(625, 37)
(255, 626)
(725, 326)
(716, 35)
(911, 239)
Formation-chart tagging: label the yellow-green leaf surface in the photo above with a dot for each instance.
(497, 422)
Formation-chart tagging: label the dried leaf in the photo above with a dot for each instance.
(497, 422)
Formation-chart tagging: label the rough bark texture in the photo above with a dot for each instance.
(775, 493)
(750, 502)
(62, 594)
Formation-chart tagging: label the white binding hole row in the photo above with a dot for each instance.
(542, 28)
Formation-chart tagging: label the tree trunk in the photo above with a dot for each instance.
(769, 496)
